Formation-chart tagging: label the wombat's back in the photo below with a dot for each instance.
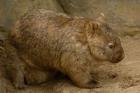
(44, 35)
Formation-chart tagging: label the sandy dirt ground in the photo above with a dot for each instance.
(123, 77)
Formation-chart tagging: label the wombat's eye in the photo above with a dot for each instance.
(1, 42)
(110, 45)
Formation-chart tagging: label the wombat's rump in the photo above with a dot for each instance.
(55, 41)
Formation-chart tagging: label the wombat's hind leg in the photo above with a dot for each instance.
(18, 81)
(35, 76)
(17, 72)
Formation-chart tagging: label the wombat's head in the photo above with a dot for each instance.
(103, 43)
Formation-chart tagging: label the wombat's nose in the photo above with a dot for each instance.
(120, 57)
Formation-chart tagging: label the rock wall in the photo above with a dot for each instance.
(11, 10)
(123, 15)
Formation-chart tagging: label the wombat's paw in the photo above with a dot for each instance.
(89, 84)
(20, 85)
(94, 84)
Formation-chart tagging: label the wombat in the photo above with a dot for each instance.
(71, 45)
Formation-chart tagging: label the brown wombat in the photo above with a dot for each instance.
(71, 45)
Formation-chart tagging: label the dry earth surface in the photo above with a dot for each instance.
(123, 77)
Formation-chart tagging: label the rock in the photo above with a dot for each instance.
(10, 11)
(122, 15)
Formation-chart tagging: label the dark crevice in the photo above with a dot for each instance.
(62, 6)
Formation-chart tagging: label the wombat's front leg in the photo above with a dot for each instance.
(83, 79)
(79, 71)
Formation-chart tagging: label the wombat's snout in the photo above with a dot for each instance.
(118, 57)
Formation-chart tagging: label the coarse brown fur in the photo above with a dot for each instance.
(54, 41)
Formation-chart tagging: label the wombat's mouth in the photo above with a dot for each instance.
(117, 59)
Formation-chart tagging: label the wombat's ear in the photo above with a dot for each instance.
(95, 26)
(101, 19)
(92, 27)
